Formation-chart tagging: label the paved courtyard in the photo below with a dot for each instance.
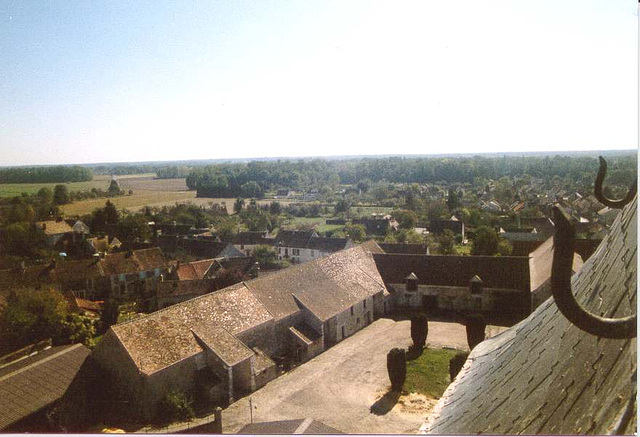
(339, 386)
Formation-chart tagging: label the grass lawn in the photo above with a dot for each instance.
(12, 190)
(463, 250)
(429, 373)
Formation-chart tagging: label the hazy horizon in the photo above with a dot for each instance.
(87, 82)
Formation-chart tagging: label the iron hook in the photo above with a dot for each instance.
(561, 270)
(598, 191)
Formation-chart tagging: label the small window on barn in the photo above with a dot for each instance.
(364, 304)
(352, 311)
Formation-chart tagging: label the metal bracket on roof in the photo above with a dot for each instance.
(617, 204)
(561, 270)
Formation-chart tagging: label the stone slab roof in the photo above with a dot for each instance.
(165, 337)
(228, 348)
(31, 384)
(545, 375)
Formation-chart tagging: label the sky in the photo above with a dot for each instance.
(118, 81)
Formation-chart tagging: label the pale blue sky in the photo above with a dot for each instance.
(96, 81)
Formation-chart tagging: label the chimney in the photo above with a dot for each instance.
(475, 285)
(411, 282)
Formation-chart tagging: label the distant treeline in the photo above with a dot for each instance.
(173, 172)
(61, 173)
(231, 180)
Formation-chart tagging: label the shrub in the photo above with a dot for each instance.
(456, 363)
(419, 331)
(475, 330)
(397, 368)
(174, 406)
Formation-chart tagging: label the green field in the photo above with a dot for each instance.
(12, 190)
(429, 373)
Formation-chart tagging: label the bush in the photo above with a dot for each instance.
(419, 331)
(456, 363)
(397, 368)
(476, 327)
(174, 407)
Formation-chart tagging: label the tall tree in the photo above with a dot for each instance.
(60, 195)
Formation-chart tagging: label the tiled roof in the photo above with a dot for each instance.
(545, 375)
(31, 384)
(293, 238)
(52, 227)
(193, 270)
(133, 261)
(197, 287)
(165, 337)
(495, 271)
(252, 238)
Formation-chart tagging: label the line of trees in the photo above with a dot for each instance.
(233, 180)
(59, 173)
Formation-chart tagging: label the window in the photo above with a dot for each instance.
(352, 311)
(364, 304)
(343, 332)
(358, 321)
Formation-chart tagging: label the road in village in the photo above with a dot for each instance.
(339, 386)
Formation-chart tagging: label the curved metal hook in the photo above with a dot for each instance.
(602, 172)
(561, 269)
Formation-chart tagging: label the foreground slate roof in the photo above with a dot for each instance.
(546, 376)
(33, 383)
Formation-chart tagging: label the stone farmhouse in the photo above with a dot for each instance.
(225, 344)
(504, 290)
(304, 246)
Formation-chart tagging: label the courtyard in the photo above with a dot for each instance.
(340, 386)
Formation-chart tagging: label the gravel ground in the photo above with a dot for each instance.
(340, 386)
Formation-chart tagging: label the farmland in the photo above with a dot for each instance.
(147, 191)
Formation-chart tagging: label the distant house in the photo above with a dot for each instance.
(32, 385)
(118, 274)
(198, 246)
(438, 226)
(225, 344)
(54, 230)
(284, 193)
(304, 246)
(246, 242)
(377, 224)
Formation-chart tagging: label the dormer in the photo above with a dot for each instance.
(411, 282)
(475, 285)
